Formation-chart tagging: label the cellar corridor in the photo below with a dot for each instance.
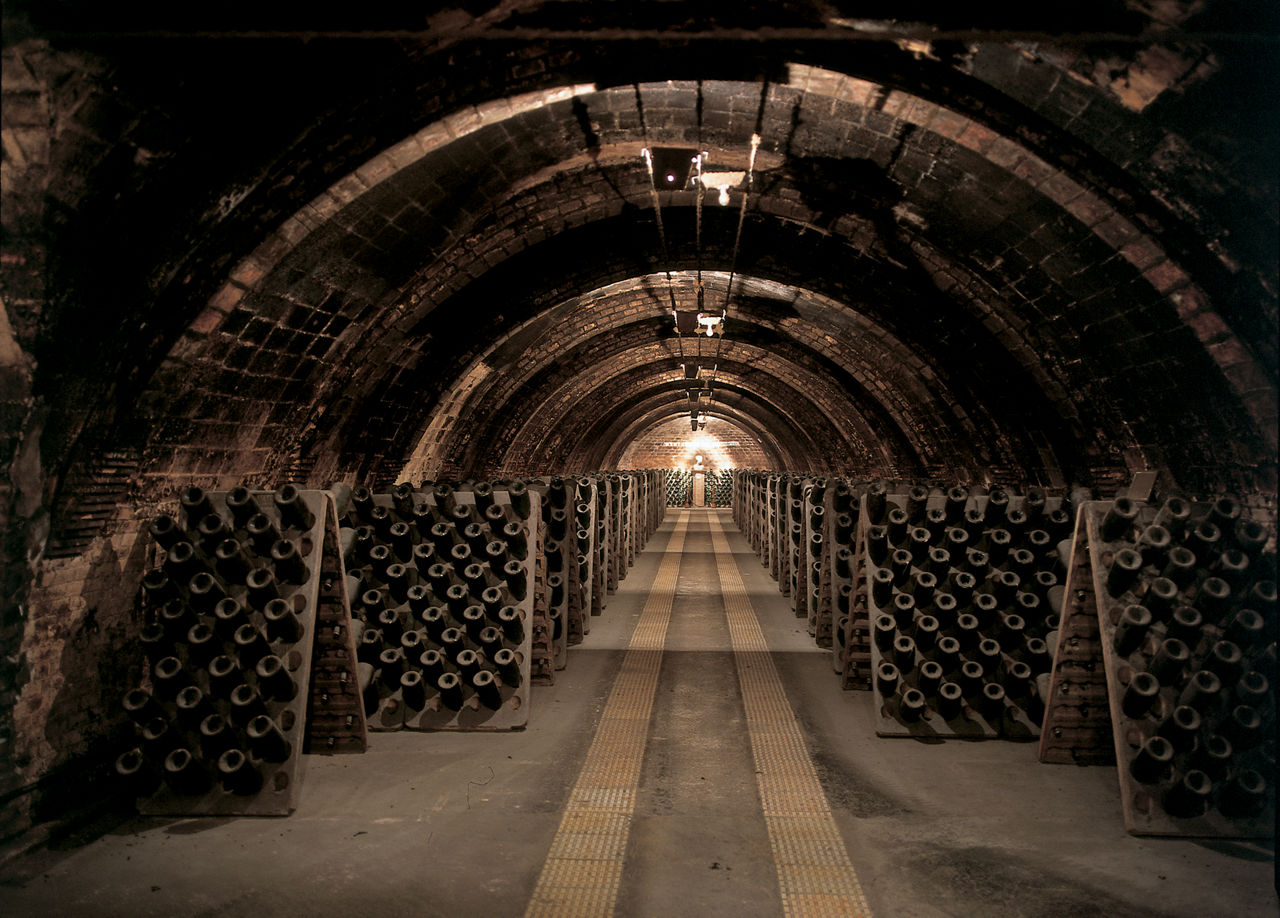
(654, 768)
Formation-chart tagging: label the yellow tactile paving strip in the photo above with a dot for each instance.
(584, 866)
(814, 872)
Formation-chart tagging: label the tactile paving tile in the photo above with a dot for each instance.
(815, 875)
(584, 866)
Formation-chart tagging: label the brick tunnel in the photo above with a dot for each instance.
(1035, 249)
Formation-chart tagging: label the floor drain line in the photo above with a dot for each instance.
(815, 875)
(584, 866)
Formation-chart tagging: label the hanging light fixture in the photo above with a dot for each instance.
(711, 324)
(722, 182)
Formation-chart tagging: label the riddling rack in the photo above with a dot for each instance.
(1077, 723)
(593, 528)
(579, 534)
(963, 594)
(577, 554)
(817, 606)
(582, 561)
(335, 711)
(804, 530)
(1186, 602)
(805, 545)
(254, 655)
(851, 632)
(559, 549)
(445, 579)
(600, 546)
(231, 615)
(542, 649)
(854, 573)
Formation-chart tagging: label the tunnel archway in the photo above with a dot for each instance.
(384, 248)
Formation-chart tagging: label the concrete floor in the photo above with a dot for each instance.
(460, 824)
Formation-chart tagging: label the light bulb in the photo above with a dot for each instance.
(724, 195)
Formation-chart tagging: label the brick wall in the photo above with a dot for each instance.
(78, 655)
(672, 445)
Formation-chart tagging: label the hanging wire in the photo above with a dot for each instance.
(699, 291)
(733, 260)
(647, 155)
(697, 225)
(657, 213)
(742, 214)
(697, 209)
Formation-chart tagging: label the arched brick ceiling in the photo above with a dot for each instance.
(596, 419)
(848, 365)
(794, 446)
(959, 254)
(858, 213)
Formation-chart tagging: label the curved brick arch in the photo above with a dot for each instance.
(799, 425)
(770, 381)
(779, 454)
(782, 203)
(914, 114)
(776, 432)
(793, 443)
(779, 416)
(589, 364)
(803, 256)
(753, 364)
(915, 118)
(596, 418)
(873, 364)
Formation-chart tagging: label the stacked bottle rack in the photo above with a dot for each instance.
(593, 528)
(851, 645)
(679, 487)
(1186, 604)
(559, 552)
(827, 543)
(1076, 728)
(230, 624)
(963, 594)
(804, 530)
(444, 578)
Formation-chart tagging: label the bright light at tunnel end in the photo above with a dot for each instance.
(709, 449)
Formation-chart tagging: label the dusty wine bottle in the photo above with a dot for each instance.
(1119, 520)
(266, 740)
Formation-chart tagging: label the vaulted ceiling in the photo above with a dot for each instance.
(1036, 248)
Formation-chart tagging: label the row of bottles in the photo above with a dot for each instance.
(593, 527)
(440, 584)
(804, 530)
(964, 597)
(228, 612)
(947, 604)
(1187, 596)
(427, 599)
